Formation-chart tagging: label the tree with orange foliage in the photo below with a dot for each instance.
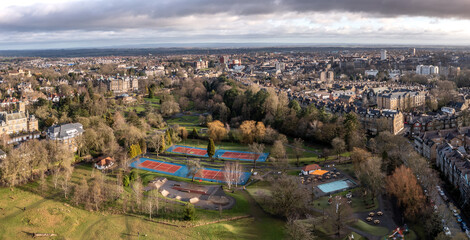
(251, 131)
(404, 186)
(217, 130)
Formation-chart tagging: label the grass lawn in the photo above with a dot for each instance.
(138, 108)
(187, 121)
(358, 204)
(356, 236)
(24, 211)
(374, 230)
(346, 168)
(306, 158)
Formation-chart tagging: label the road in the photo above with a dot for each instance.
(448, 216)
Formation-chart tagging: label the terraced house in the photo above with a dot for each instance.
(455, 165)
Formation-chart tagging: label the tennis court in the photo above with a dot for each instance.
(211, 174)
(221, 154)
(180, 170)
(193, 151)
(240, 155)
(160, 166)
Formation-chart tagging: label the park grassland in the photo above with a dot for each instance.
(24, 211)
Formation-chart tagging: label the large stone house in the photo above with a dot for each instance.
(66, 134)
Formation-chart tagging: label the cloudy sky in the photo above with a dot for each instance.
(27, 24)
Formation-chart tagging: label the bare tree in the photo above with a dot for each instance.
(298, 149)
(339, 214)
(278, 150)
(64, 181)
(233, 172)
(137, 188)
(370, 174)
(338, 145)
(152, 202)
(81, 193)
(258, 149)
(298, 230)
(287, 198)
(194, 167)
(96, 195)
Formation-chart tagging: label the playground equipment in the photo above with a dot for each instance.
(399, 233)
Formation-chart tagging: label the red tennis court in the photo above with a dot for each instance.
(160, 166)
(236, 155)
(189, 150)
(211, 174)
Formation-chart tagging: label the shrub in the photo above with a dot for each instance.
(189, 212)
(126, 181)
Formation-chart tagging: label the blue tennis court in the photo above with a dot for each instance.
(336, 186)
(240, 155)
(186, 150)
(180, 170)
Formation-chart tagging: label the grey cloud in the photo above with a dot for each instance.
(120, 14)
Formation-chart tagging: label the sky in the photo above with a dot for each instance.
(44, 24)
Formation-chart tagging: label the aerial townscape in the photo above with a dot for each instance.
(235, 120)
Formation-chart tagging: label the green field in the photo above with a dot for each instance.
(189, 122)
(358, 204)
(25, 210)
(374, 230)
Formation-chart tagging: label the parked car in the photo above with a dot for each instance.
(464, 227)
(447, 231)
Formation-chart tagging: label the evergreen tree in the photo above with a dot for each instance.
(143, 146)
(168, 138)
(162, 145)
(189, 212)
(126, 181)
(211, 148)
(194, 134)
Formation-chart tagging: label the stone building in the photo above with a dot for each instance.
(122, 84)
(66, 134)
(18, 121)
(402, 100)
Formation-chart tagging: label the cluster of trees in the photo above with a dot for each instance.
(33, 159)
(232, 104)
(392, 166)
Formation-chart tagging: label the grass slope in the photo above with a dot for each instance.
(24, 211)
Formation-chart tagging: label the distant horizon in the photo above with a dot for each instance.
(241, 45)
(72, 24)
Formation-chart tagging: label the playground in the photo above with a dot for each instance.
(203, 196)
(180, 170)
